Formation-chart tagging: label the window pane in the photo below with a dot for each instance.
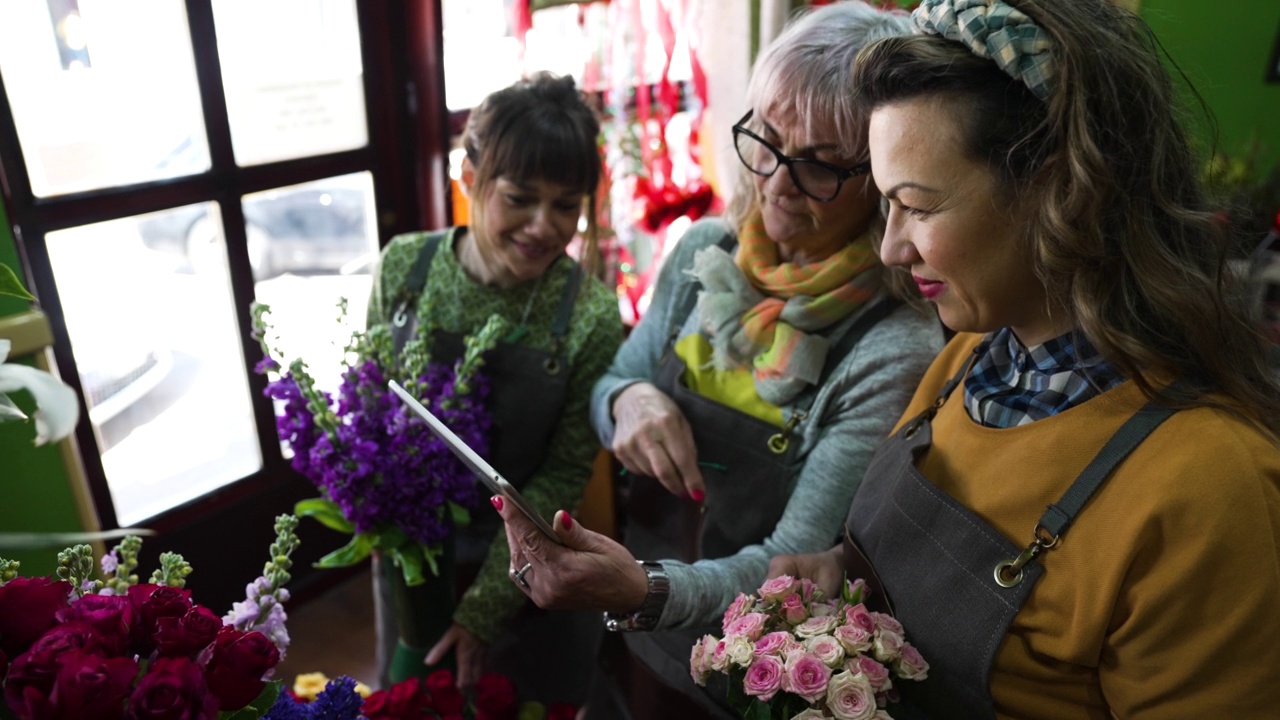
(103, 92)
(320, 243)
(292, 75)
(155, 341)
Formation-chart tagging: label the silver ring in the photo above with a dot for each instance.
(518, 575)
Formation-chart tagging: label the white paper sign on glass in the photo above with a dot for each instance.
(497, 484)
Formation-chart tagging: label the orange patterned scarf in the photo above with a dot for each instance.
(778, 324)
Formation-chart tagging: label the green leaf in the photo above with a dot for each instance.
(258, 707)
(409, 558)
(327, 512)
(11, 285)
(460, 516)
(390, 539)
(431, 553)
(350, 554)
(759, 711)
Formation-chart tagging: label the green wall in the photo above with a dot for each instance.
(34, 493)
(1224, 48)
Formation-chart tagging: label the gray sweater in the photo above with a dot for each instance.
(857, 407)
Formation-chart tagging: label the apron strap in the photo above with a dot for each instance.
(1058, 516)
(564, 312)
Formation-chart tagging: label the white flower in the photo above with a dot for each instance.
(57, 409)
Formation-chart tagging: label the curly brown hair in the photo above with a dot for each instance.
(1122, 237)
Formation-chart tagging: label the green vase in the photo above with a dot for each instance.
(423, 613)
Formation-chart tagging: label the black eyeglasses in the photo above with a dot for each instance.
(819, 180)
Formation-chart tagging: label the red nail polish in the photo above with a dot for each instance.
(497, 502)
(566, 520)
(698, 496)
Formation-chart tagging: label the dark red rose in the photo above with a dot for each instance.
(237, 664)
(495, 698)
(150, 603)
(445, 696)
(561, 711)
(91, 686)
(29, 682)
(28, 607)
(110, 615)
(187, 635)
(70, 636)
(173, 689)
(406, 700)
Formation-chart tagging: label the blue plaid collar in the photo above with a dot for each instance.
(1011, 385)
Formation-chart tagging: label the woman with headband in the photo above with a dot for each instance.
(1077, 516)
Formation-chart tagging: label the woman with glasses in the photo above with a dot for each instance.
(746, 404)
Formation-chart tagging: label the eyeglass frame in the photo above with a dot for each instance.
(842, 174)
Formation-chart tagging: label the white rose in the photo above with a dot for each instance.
(851, 697)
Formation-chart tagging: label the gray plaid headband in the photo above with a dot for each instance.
(993, 30)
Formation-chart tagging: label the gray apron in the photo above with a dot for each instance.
(955, 582)
(749, 467)
(527, 392)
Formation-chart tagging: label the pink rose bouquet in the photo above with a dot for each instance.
(72, 646)
(791, 654)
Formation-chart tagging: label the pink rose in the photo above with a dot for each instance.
(816, 626)
(807, 676)
(750, 626)
(763, 678)
(112, 616)
(887, 646)
(775, 589)
(853, 639)
(911, 664)
(850, 697)
(827, 649)
(173, 689)
(237, 664)
(824, 608)
(855, 591)
(887, 622)
(793, 609)
(859, 616)
(740, 606)
(772, 643)
(700, 659)
(877, 674)
(720, 656)
(28, 607)
(187, 635)
(809, 590)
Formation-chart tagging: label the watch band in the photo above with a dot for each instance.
(646, 618)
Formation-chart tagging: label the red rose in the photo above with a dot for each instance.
(406, 700)
(237, 664)
(173, 689)
(70, 636)
(110, 615)
(495, 698)
(28, 607)
(91, 686)
(445, 696)
(150, 603)
(29, 682)
(561, 711)
(187, 635)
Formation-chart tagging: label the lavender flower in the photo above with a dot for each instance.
(263, 606)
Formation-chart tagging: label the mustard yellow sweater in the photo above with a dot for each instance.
(1163, 598)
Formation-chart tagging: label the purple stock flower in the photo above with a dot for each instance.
(380, 464)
